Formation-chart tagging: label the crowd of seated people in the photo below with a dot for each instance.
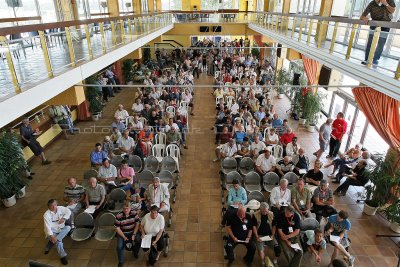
(247, 125)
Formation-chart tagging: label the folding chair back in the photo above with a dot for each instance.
(166, 177)
(151, 164)
(161, 139)
(246, 165)
(135, 162)
(270, 180)
(145, 178)
(257, 195)
(116, 161)
(252, 182)
(228, 165)
(291, 177)
(168, 164)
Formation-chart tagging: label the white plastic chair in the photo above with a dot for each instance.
(158, 151)
(162, 104)
(217, 74)
(218, 99)
(266, 133)
(161, 139)
(143, 120)
(184, 106)
(229, 100)
(277, 151)
(173, 151)
(128, 120)
(171, 110)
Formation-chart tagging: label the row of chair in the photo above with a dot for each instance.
(85, 227)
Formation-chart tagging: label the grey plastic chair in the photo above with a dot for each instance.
(105, 227)
(309, 224)
(168, 163)
(270, 180)
(292, 178)
(257, 195)
(228, 165)
(229, 178)
(151, 164)
(116, 161)
(145, 178)
(84, 227)
(252, 182)
(246, 165)
(135, 162)
(116, 200)
(89, 173)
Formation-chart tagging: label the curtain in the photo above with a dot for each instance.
(83, 111)
(311, 69)
(382, 112)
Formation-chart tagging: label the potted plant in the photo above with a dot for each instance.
(383, 176)
(94, 98)
(11, 162)
(282, 78)
(127, 70)
(255, 51)
(312, 105)
(392, 213)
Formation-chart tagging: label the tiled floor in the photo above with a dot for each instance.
(195, 240)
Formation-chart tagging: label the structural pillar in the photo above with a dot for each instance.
(137, 7)
(150, 4)
(325, 11)
(113, 8)
(285, 10)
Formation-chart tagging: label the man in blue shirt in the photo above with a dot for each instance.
(118, 124)
(97, 156)
(336, 232)
(276, 122)
(236, 196)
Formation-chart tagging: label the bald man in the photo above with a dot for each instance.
(74, 196)
(95, 195)
(239, 228)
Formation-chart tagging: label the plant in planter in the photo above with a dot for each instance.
(127, 70)
(392, 213)
(11, 162)
(282, 78)
(383, 176)
(312, 104)
(255, 51)
(94, 98)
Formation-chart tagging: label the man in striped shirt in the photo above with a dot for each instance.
(127, 226)
(74, 196)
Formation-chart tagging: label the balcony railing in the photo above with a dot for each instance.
(33, 53)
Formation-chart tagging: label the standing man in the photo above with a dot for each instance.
(55, 228)
(127, 224)
(339, 128)
(380, 10)
(324, 133)
(62, 115)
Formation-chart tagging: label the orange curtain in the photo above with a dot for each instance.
(382, 112)
(83, 111)
(311, 69)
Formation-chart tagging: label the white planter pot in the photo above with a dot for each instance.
(9, 202)
(302, 121)
(280, 96)
(311, 128)
(368, 210)
(395, 227)
(95, 117)
(129, 83)
(21, 193)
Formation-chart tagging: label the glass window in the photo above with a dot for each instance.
(338, 105)
(48, 10)
(326, 99)
(374, 142)
(25, 8)
(260, 6)
(293, 6)
(125, 5)
(165, 5)
(209, 5)
(175, 4)
(145, 7)
(338, 10)
(358, 129)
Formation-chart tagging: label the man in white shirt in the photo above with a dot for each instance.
(55, 228)
(107, 174)
(265, 163)
(126, 143)
(292, 148)
(158, 195)
(228, 150)
(187, 97)
(257, 146)
(171, 124)
(272, 138)
(234, 107)
(137, 107)
(136, 124)
(280, 197)
(121, 113)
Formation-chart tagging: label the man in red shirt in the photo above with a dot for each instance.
(286, 138)
(339, 128)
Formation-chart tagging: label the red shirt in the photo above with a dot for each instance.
(287, 138)
(339, 128)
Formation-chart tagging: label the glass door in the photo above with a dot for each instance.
(349, 116)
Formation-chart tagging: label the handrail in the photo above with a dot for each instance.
(100, 14)
(4, 20)
(45, 26)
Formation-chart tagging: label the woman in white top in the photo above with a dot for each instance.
(153, 224)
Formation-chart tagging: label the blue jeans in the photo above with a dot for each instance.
(121, 245)
(379, 46)
(60, 246)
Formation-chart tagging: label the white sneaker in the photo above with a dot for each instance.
(215, 160)
(351, 260)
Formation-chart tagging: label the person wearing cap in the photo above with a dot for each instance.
(264, 225)
(288, 226)
(265, 163)
(158, 194)
(301, 199)
(97, 156)
(153, 224)
(313, 241)
(127, 225)
(121, 112)
(240, 230)
(339, 225)
(280, 197)
(323, 201)
(55, 228)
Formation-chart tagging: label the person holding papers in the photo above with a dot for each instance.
(314, 242)
(323, 201)
(239, 229)
(264, 230)
(236, 196)
(336, 233)
(127, 225)
(107, 175)
(95, 196)
(55, 228)
(280, 197)
(74, 195)
(158, 194)
(288, 226)
(152, 225)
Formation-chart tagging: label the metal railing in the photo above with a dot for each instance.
(56, 47)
